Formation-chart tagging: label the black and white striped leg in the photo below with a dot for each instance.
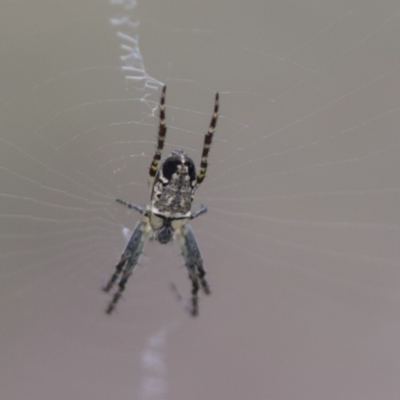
(207, 143)
(128, 262)
(194, 264)
(162, 131)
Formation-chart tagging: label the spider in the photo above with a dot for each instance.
(173, 186)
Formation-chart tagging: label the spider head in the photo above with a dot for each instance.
(165, 234)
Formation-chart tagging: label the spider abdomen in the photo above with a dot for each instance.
(176, 197)
(174, 186)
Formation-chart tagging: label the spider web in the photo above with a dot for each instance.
(301, 238)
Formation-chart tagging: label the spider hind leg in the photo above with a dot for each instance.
(207, 143)
(162, 131)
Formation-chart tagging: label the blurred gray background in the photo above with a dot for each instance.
(301, 240)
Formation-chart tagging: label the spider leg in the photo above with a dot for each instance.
(179, 298)
(131, 205)
(118, 269)
(162, 131)
(128, 262)
(194, 264)
(207, 143)
(200, 211)
(195, 299)
(121, 287)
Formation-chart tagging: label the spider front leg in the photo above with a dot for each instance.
(118, 269)
(194, 264)
(128, 262)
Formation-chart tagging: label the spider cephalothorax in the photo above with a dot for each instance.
(173, 185)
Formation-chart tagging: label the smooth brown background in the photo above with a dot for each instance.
(301, 240)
